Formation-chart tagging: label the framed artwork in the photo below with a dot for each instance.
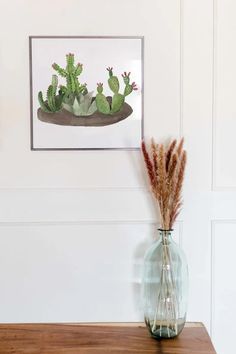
(86, 92)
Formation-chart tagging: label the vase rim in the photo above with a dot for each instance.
(165, 230)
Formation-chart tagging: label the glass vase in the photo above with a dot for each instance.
(165, 287)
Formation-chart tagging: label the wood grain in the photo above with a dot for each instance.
(98, 338)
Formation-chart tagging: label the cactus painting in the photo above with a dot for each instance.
(86, 92)
(72, 99)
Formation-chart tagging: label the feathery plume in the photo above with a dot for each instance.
(169, 153)
(149, 165)
(180, 146)
(166, 167)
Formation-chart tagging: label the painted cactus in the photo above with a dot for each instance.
(128, 87)
(118, 99)
(103, 105)
(54, 101)
(113, 81)
(75, 98)
(71, 73)
(84, 105)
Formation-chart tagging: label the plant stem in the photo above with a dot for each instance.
(167, 308)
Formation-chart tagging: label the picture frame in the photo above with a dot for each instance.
(102, 112)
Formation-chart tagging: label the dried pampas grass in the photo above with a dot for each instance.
(165, 168)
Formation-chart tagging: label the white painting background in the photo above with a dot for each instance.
(95, 54)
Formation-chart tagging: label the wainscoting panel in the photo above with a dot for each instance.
(224, 119)
(223, 285)
(197, 83)
(75, 272)
(71, 204)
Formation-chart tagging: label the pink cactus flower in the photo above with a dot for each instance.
(134, 86)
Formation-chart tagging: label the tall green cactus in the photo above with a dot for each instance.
(54, 101)
(71, 73)
(118, 99)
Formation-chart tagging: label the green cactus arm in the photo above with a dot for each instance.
(54, 82)
(59, 70)
(51, 98)
(79, 88)
(117, 102)
(73, 84)
(99, 87)
(70, 63)
(43, 104)
(58, 102)
(103, 105)
(78, 69)
(126, 77)
(113, 83)
(68, 84)
(110, 71)
(128, 89)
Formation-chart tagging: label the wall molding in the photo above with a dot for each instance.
(77, 204)
(77, 222)
(88, 222)
(181, 30)
(214, 79)
(77, 188)
(214, 186)
(214, 222)
(212, 311)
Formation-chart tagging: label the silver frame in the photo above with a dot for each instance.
(31, 90)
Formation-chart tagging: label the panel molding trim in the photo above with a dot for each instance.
(215, 222)
(213, 138)
(214, 186)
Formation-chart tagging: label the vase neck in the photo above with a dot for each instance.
(165, 236)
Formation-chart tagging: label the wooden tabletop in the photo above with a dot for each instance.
(99, 339)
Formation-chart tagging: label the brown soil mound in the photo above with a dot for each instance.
(95, 120)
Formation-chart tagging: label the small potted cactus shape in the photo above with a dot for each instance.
(72, 104)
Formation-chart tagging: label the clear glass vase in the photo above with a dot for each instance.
(165, 287)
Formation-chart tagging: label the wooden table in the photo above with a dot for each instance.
(99, 339)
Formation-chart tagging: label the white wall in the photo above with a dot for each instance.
(74, 225)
